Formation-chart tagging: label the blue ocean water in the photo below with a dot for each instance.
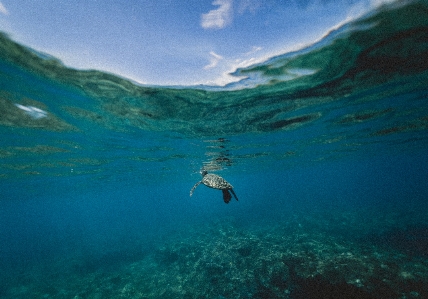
(326, 149)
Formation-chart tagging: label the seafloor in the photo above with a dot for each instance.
(361, 253)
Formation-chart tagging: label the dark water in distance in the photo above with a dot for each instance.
(326, 149)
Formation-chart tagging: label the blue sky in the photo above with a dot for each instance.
(172, 42)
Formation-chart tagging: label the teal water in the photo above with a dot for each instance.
(326, 149)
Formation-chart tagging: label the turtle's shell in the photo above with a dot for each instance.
(215, 181)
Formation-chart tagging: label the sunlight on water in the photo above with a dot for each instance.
(32, 111)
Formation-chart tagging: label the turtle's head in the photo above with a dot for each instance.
(204, 172)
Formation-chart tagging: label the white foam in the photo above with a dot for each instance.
(32, 111)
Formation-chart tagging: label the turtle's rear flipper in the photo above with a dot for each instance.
(233, 192)
(226, 196)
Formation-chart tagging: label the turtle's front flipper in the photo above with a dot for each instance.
(194, 187)
(226, 195)
(233, 192)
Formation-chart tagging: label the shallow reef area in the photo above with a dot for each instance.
(302, 256)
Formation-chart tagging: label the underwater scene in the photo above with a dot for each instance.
(325, 150)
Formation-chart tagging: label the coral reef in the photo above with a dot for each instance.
(304, 256)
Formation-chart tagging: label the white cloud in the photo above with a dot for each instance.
(3, 9)
(222, 80)
(253, 50)
(214, 59)
(250, 5)
(220, 17)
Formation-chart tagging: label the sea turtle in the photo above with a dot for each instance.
(216, 182)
